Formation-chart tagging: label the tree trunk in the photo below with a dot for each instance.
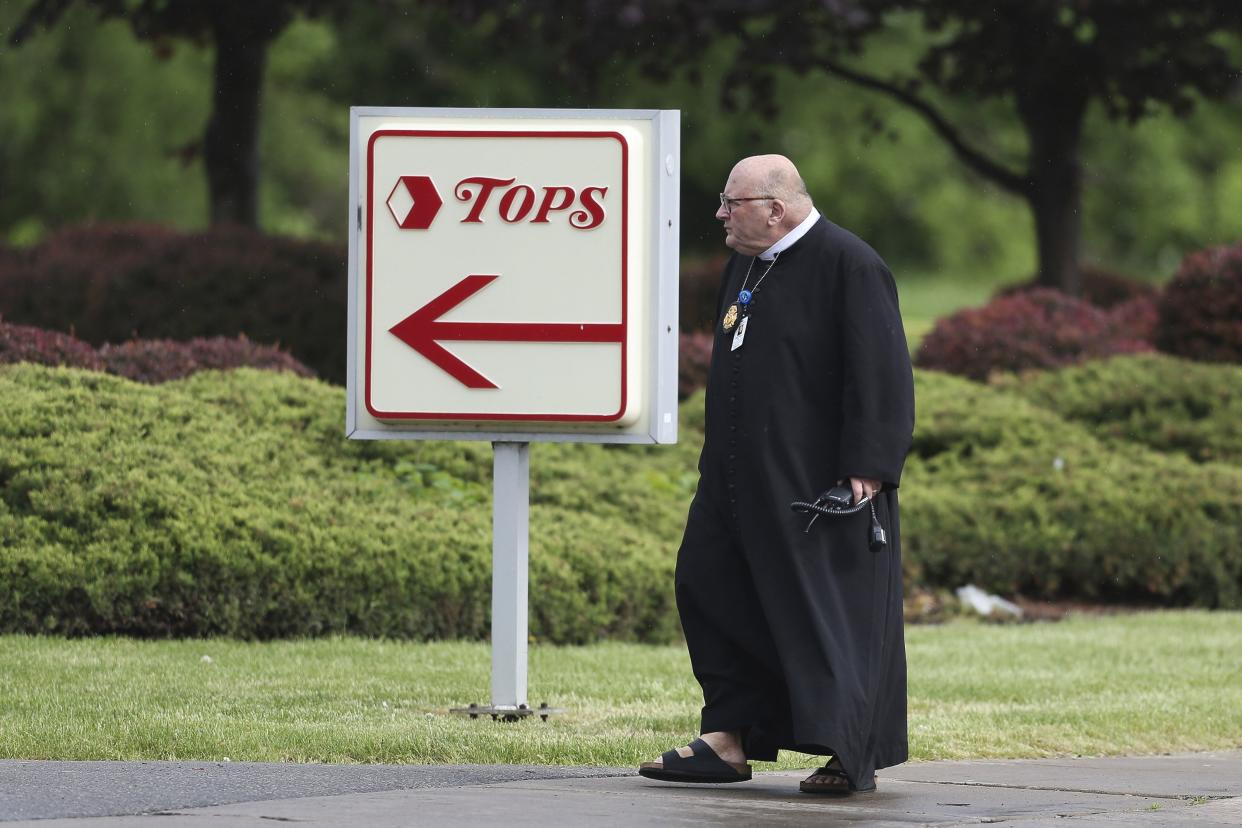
(1056, 202)
(231, 147)
(1052, 113)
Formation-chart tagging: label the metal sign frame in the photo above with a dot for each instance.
(658, 423)
(510, 439)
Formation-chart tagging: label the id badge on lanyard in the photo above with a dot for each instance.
(739, 336)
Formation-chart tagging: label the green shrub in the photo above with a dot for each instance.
(231, 504)
(1166, 403)
(1009, 496)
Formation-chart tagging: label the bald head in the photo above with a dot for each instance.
(777, 176)
(753, 226)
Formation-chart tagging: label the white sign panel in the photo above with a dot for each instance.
(513, 274)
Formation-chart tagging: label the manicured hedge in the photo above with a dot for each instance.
(1169, 404)
(1135, 320)
(1039, 328)
(1100, 287)
(1009, 496)
(161, 360)
(698, 291)
(26, 343)
(111, 283)
(694, 361)
(142, 360)
(116, 282)
(230, 503)
(1201, 308)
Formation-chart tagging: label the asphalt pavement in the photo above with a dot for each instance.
(1201, 789)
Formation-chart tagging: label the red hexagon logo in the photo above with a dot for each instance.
(414, 202)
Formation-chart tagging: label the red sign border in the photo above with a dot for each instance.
(473, 133)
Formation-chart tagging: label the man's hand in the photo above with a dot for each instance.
(863, 488)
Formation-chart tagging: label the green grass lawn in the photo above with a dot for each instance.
(1146, 683)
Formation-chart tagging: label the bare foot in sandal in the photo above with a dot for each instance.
(715, 757)
(830, 779)
(727, 744)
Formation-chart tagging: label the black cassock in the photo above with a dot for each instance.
(797, 637)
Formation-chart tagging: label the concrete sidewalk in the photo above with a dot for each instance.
(1192, 789)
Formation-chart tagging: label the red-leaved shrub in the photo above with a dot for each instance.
(111, 283)
(1200, 311)
(11, 257)
(23, 343)
(144, 360)
(1035, 329)
(699, 287)
(694, 360)
(1100, 287)
(160, 360)
(1135, 319)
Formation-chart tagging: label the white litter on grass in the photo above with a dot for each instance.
(205, 659)
(985, 603)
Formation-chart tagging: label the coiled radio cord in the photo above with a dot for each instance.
(829, 503)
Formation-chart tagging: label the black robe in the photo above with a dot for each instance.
(797, 637)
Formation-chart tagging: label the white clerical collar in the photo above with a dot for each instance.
(789, 239)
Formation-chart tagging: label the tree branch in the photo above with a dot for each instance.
(41, 13)
(976, 160)
(46, 13)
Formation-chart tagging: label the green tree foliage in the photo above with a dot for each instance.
(92, 126)
(1048, 61)
(97, 124)
(241, 32)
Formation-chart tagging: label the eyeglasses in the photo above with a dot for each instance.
(728, 202)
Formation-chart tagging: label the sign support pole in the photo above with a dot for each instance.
(510, 554)
(577, 347)
(510, 587)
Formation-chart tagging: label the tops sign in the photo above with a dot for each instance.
(506, 274)
(415, 201)
(526, 259)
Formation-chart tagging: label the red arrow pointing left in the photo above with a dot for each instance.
(422, 330)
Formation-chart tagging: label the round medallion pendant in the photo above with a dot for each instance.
(730, 317)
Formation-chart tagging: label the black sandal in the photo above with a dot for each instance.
(701, 766)
(834, 788)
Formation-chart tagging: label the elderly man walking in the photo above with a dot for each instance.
(795, 631)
